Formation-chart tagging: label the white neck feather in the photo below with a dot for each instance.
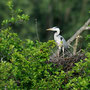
(56, 34)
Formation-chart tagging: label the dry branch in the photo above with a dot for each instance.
(76, 44)
(84, 27)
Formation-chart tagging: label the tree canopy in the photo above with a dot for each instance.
(67, 15)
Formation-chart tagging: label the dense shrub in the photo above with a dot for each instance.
(79, 77)
(23, 65)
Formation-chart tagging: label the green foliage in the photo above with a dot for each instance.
(88, 44)
(17, 16)
(24, 65)
(79, 77)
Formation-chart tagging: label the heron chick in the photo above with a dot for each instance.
(60, 41)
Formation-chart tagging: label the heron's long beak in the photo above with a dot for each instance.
(49, 29)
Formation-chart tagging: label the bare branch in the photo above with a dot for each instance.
(37, 30)
(84, 27)
(76, 44)
(87, 28)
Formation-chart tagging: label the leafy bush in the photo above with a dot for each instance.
(79, 77)
(23, 64)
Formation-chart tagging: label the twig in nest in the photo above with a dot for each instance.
(76, 44)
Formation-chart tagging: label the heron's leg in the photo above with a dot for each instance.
(59, 50)
(63, 51)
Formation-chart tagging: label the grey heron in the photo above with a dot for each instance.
(60, 41)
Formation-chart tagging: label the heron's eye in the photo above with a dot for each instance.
(54, 27)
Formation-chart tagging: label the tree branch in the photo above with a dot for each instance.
(84, 27)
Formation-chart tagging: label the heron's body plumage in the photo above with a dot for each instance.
(60, 41)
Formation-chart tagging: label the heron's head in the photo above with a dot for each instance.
(53, 29)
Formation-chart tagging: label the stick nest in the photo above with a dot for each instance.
(67, 62)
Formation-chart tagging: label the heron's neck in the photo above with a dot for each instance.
(56, 34)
